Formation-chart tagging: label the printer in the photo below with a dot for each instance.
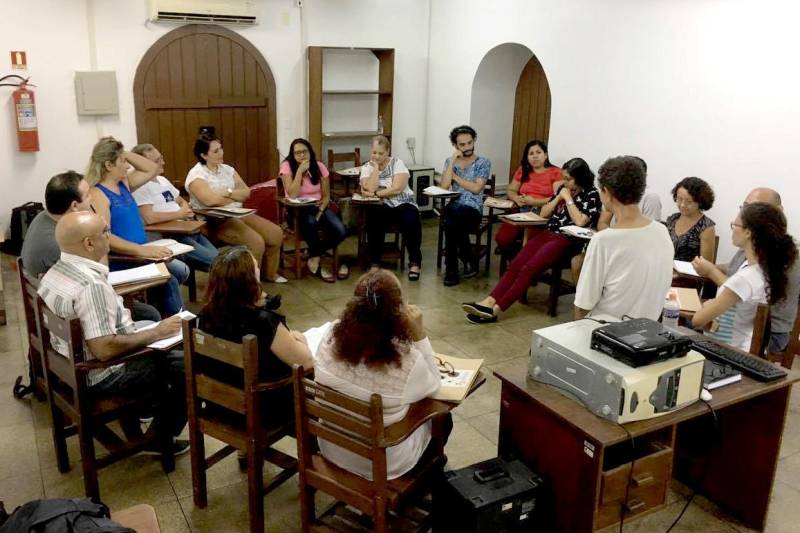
(562, 356)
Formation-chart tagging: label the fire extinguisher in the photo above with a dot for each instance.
(25, 109)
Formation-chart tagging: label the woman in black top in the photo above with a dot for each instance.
(235, 308)
(577, 202)
(692, 232)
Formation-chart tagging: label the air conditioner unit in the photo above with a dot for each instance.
(241, 12)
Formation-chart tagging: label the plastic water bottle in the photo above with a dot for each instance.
(671, 312)
(380, 124)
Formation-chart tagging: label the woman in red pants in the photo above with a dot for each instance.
(531, 187)
(577, 202)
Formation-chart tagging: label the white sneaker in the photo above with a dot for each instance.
(280, 279)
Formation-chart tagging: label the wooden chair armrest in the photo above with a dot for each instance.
(418, 413)
(96, 364)
(274, 385)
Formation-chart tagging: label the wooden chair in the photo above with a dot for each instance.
(485, 227)
(760, 339)
(287, 213)
(786, 358)
(70, 397)
(357, 426)
(29, 285)
(353, 157)
(232, 410)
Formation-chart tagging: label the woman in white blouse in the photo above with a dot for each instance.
(386, 177)
(379, 346)
(760, 231)
(211, 183)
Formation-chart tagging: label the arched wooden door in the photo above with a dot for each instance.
(531, 110)
(201, 75)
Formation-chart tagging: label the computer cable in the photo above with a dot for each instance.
(689, 500)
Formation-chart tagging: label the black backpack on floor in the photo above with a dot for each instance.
(21, 218)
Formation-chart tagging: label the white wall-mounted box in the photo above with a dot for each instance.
(96, 93)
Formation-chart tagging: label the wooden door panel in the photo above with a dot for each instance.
(531, 110)
(207, 76)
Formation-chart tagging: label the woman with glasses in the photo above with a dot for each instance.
(236, 307)
(691, 231)
(577, 202)
(760, 231)
(379, 346)
(305, 177)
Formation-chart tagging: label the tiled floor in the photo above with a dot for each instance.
(27, 462)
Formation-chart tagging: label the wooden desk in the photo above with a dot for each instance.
(361, 206)
(131, 288)
(350, 178)
(558, 438)
(178, 227)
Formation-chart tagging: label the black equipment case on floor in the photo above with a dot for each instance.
(494, 496)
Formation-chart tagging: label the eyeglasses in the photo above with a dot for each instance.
(735, 225)
(684, 201)
(445, 367)
(300, 152)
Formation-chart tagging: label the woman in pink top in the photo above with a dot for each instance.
(305, 177)
(533, 185)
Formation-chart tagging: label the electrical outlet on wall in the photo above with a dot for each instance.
(411, 143)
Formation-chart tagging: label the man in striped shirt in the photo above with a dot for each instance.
(77, 285)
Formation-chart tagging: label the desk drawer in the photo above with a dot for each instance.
(651, 470)
(639, 500)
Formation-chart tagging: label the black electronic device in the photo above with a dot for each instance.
(494, 496)
(639, 342)
(752, 366)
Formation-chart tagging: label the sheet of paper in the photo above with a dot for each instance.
(578, 231)
(315, 335)
(685, 267)
(169, 342)
(175, 247)
(435, 190)
(525, 217)
(133, 275)
(498, 203)
(301, 200)
(360, 198)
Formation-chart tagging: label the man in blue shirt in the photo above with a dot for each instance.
(467, 174)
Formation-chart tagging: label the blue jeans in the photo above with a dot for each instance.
(141, 376)
(332, 228)
(204, 252)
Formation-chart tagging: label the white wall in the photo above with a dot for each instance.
(695, 87)
(492, 107)
(58, 44)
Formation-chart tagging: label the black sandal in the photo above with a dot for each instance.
(413, 275)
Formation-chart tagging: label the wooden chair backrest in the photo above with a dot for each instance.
(69, 330)
(716, 249)
(344, 157)
(198, 345)
(760, 339)
(352, 424)
(489, 186)
(30, 285)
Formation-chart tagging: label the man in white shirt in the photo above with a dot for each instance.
(159, 201)
(628, 267)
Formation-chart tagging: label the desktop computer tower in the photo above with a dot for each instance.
(421, 176)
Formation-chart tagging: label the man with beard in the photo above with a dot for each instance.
(464, 173)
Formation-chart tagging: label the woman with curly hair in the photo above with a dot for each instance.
(237, 307)
(760, 231)
(379, 346)
(691, 231)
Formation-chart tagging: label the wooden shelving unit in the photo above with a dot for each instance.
(317, 95)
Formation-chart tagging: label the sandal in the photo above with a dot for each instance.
(326, 275)
(413, 275)
(344, 272)
(314, 272)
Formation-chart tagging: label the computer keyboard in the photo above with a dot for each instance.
(752, 366)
